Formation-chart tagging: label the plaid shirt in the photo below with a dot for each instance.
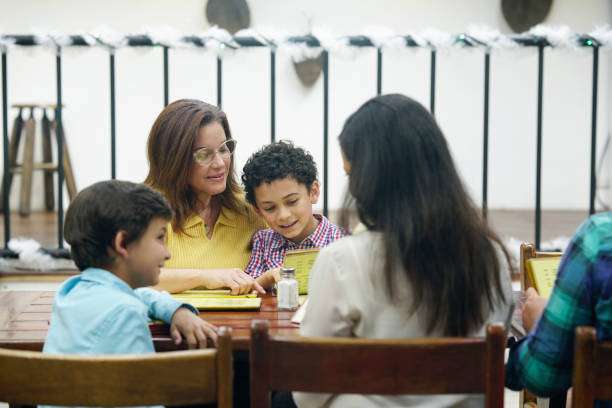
(542, 360)
(270, 247)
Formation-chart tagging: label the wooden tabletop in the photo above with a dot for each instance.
(24, 320)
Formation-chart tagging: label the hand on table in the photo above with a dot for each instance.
(196, 332)
(269, 278)
(534, 306)
(236, 280)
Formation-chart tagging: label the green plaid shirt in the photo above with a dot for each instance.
(542, 361)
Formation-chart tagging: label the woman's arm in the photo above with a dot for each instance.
(179, 280)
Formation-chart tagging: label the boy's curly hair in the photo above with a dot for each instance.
(278, 161)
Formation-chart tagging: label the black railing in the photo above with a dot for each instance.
(461, 40)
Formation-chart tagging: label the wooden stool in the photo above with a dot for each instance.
(27, 165)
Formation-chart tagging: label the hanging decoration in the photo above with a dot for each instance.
(521, 15)
(309, 70)
(231, 15)
(311, 45)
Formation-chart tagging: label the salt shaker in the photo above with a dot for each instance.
(287, 290)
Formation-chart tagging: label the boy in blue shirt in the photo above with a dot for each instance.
(281, 184)
(117, 231)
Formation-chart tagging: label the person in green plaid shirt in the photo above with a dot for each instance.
(542, 361)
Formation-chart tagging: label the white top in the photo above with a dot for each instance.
(348, 298)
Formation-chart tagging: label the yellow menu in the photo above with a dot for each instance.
(302, 261)
(212, 293)
(542, 273)
(207, 303)
(218, 299)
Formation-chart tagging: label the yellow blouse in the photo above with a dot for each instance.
(229, 246)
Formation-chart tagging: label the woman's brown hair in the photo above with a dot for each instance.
(170, 155)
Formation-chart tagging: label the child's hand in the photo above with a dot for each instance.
(269, 278)
(236, 280)
(534, 306)
(196, 331)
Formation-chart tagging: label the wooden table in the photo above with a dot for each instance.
(24, 320)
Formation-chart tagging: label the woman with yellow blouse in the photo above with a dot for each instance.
(190, 149)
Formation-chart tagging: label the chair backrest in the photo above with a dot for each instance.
(168, 378)
(592, 368)
(373, 366)
(527, 252)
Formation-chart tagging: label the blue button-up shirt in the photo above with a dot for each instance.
(98, 313)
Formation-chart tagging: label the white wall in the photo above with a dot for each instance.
(459, 93)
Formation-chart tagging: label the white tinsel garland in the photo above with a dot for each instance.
(218, 40)
(31, 257)
(557, 36)
(603, 34)
(109, 38)
(268, 39)
(299, 52)
(166, 36)
(5, 43)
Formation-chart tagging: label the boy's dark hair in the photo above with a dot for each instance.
(277, 161)
(101, 210)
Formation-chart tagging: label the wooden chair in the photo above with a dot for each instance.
(367, 366)
(527, 252)
(592, 368)
(169, 378)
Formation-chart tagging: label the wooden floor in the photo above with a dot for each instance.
(40, 226)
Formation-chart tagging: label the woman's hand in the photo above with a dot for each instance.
(235, 279)
(534, 306)
(196, 332)
(179, 280)
(269, 278)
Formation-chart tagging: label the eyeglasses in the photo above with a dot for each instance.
(203, 156)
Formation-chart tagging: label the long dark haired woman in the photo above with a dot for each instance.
(190, 151)
(427, 265)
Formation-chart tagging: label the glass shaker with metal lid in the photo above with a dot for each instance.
(287, 290)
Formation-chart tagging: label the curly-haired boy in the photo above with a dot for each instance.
(281, 184)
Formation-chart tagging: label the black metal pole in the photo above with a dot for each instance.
(272, 95)
(432, 87)
(166, 100)
(594, 130)
(112, 115)
(485, 137)
(60, 167)
(5, 193)
(378, 71)
(219, 80)
(538, 209)
(325, 126)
